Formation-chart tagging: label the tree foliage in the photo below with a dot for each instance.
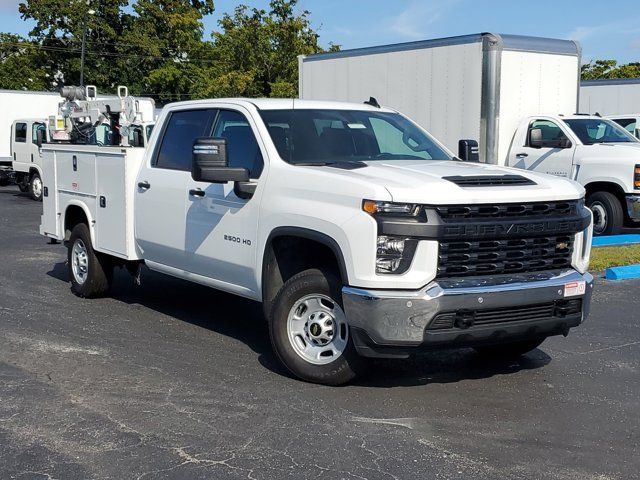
(604, 69)
(159, 48)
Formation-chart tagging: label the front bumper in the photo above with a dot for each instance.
(393, 323)
(633, 207)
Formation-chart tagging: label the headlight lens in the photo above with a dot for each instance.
(373, 207)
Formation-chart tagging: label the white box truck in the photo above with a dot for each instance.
(610, 96)
(15, 104)
(512, 94)
(357, 230)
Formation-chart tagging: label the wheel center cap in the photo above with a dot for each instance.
(315, 329)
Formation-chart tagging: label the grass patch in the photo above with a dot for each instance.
(604, 257)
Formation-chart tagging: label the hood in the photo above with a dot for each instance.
(423, 182)
(610, 151)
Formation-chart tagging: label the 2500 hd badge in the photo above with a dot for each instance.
(234, 239)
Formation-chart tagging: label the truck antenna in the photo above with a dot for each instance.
(373, 102)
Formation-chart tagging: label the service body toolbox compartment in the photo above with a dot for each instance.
(103, 179)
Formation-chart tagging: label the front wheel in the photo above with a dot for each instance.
(608, 216)
(309, 330)
(90, 272)
(35, 187)
(509, 350)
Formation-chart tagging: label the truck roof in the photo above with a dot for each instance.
(285, 104)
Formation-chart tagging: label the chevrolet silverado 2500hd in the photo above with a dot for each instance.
(360, 233)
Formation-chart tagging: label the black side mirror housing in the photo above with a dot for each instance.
(40, 137)
(210, 162)
(468, 151)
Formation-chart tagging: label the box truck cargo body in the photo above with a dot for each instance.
(15, 104)
(610, 97)
(474, 86)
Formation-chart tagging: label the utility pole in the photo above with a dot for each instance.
(87, 11)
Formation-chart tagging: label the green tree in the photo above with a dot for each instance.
(604, 69)
(20, 68)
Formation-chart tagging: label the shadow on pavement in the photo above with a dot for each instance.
(243, 320)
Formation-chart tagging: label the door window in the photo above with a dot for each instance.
(34, 133)
(550, 131)
(629, 124)
(183, 127)
(242, 147)
(21, 132)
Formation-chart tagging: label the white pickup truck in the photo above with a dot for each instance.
(596, 152)
(359, 232)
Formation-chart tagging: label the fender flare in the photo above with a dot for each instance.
(83, 207)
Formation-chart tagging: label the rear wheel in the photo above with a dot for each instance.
(90, 272)
(35, 187)
(509, 350)
(607, 211)
(309, 330)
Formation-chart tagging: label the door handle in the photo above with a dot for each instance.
(196, 192)
(521, 155)
(144, 185)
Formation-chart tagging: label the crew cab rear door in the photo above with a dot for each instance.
(222, 222)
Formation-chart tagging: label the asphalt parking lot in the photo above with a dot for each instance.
(174, 380)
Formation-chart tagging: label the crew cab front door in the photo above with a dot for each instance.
(553, 161)
(162, 190)
(221, 233)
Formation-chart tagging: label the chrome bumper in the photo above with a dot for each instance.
(385, 320)
(633, 206)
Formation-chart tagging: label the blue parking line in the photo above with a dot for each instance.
(613, 240)
(622, 273)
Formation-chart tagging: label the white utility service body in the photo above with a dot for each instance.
(345, 216)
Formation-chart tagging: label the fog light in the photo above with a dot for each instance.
(390, 253)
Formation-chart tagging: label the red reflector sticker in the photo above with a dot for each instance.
(573, 289)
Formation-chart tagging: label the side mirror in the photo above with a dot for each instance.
(535, 138)
(468, 151)
(211, 164)
(637, 132)
(40, 137)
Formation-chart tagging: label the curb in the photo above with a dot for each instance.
(622, 273)
(614, 240)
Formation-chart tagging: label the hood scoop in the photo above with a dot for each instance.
(489, 180)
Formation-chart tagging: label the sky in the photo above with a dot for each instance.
(606, 30)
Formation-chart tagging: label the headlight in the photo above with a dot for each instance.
(394, 254)
(391, 208)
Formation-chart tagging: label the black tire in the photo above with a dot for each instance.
(311, 282)
(99, 269)
(4, 181)
(509, 350)
(35, 187)
(608, 216)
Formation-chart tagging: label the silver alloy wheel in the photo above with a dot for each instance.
(79, 261)
(599, 217)
(317, 329)
(37, 186)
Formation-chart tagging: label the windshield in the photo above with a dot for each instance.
(330, 136)
(598, 130)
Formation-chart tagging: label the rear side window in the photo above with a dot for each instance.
(21, 132)
(182, 129)
(242, 147)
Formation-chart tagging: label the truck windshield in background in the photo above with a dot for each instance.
(309, 136)
(591, 130)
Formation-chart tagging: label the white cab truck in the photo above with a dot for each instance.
(359, 232)
(27, 135)
(20, 104)
(484, 88)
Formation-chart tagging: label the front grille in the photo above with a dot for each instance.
(507, 210)
(489, 180)
(463, 319)
(504, 256)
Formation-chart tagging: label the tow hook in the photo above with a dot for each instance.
(465, 319)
